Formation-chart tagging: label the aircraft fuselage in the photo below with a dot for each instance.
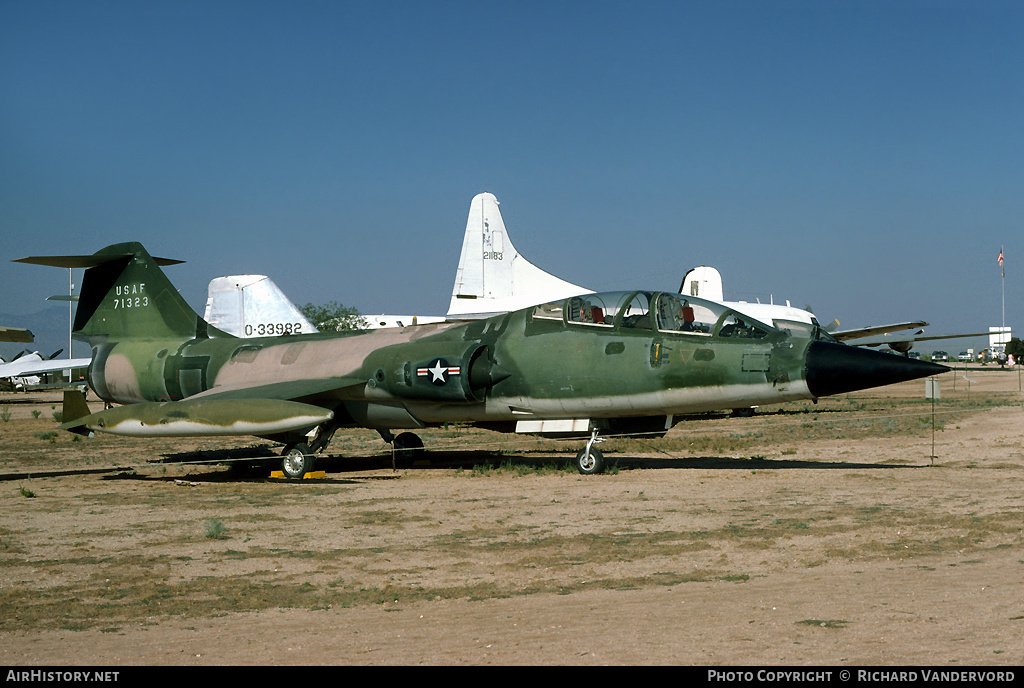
(516, 366)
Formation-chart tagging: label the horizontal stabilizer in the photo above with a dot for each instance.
(91, 261)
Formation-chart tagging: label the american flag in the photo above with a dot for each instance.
(1000, 259)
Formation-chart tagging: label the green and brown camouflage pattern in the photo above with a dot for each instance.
(151, 350)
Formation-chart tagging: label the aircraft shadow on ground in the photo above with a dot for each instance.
(255, 464)
(230, 475)
(741, 463)
(472, 459)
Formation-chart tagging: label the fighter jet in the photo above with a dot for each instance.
(617, 362)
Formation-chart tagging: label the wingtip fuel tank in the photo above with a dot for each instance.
(203, 417)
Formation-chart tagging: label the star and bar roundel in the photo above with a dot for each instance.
(438, 371)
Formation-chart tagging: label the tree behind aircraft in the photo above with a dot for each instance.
(333, 316)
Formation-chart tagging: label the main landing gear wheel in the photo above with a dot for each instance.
(297, 461)
(408, 447)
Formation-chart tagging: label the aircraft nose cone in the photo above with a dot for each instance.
(837, 368)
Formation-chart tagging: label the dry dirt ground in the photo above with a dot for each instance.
(847, 533)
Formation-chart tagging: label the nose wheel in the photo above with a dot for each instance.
(590, 460)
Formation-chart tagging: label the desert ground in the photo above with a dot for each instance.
(876, 528)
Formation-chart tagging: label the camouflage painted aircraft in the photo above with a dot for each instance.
(622, 362)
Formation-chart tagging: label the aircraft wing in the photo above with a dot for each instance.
(15, 334)
(285, 391)
(843, 335)
(883, 340)
(21, 368)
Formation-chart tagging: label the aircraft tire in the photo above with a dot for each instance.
(592, 464)
(408, 447)
(296, 461)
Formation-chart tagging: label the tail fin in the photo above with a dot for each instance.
(125, 294)
(492, 277)
(252, 305)
(704, 282)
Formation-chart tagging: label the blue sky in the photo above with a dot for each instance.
(863, 158)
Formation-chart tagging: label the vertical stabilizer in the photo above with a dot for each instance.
(704, 282)
(125, 294)
(253, 306)
(492, 277)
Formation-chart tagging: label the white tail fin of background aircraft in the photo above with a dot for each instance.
(252, 306)
(492, 277)
(704, 282)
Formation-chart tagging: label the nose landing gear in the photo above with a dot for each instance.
(590, 460)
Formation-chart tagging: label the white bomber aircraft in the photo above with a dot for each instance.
(492, 278)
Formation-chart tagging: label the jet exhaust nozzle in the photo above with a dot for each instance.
(837, 368)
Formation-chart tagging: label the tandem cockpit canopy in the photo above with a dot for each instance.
(663, 311)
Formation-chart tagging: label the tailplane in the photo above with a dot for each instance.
(125, 294)
(492, 277)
